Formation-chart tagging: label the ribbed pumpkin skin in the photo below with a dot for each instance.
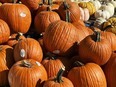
(31, 4)
(89, 75)
(20, 76)
(97, 52)
(60, 37)
(17, 16)
(52, 66)
(51, 83)
(111, 37)
(43, 19)
(32, 50)
(74, 12)
(6, 61)
(110, 71)
(4, 31)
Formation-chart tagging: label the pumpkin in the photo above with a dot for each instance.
(99, 22)
(14, 38)
(88, 75)
(110, 66)
(17, 16)
(95, 48)
(6, 62)
(74, 11)
(52, 65)
(96, 3)
(27, 73)
(113, 2)
(58, 80)
(31, 4)
(4, 32)
(28, 48)
(89, 5)
(110, 25)
(102, 13)
(109, 7)
(84, 14)
(111, 37)
(60, 37)
(44, 18)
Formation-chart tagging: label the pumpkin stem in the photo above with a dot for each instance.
(59, 75)
(49, 8)
(67, 16)
(66, 6)
(14, 1)
(50, 56)
(25, 63)
(97, 34)
(49, 2)
(78, 64)
(18, 36)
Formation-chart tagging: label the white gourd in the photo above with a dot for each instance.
(96, 3)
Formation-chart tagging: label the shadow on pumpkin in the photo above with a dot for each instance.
(40, 83)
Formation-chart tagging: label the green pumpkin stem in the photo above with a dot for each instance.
(78, 64)
(25, 63)
(98, 39)
(59, 75)
(66, 6)
(18, 36)
(67, 16)
(49, 2)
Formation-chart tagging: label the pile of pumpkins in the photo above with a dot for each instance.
(57, 43)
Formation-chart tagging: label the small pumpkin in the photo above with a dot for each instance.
(6, 62)
(87, 75)
(58, 80)
(96, 3)
(4, 31)
(89, 5)
(102, 13)
(28, 48)
(44, 18)
(84, 14)
(74, 11)
(27, 73)
(95, 48)
(52, 65)
(110, 25)
(17, 16)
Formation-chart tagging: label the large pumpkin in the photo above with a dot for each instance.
(88, 75)
(4, 32)
(28, 49)
(27, 73)
(60, 37)
(73, 8)
(58, 80)
(110, 71)
(17, 16)
(6, 61)
(95, 48)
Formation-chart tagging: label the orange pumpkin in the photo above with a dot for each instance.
(44, 18)
(17, 16)
(6, 62)
(28, 49)
(58, 81)
(73, 8)
(88, 75)
(27, 73)
(95, 48)
(4, 32)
